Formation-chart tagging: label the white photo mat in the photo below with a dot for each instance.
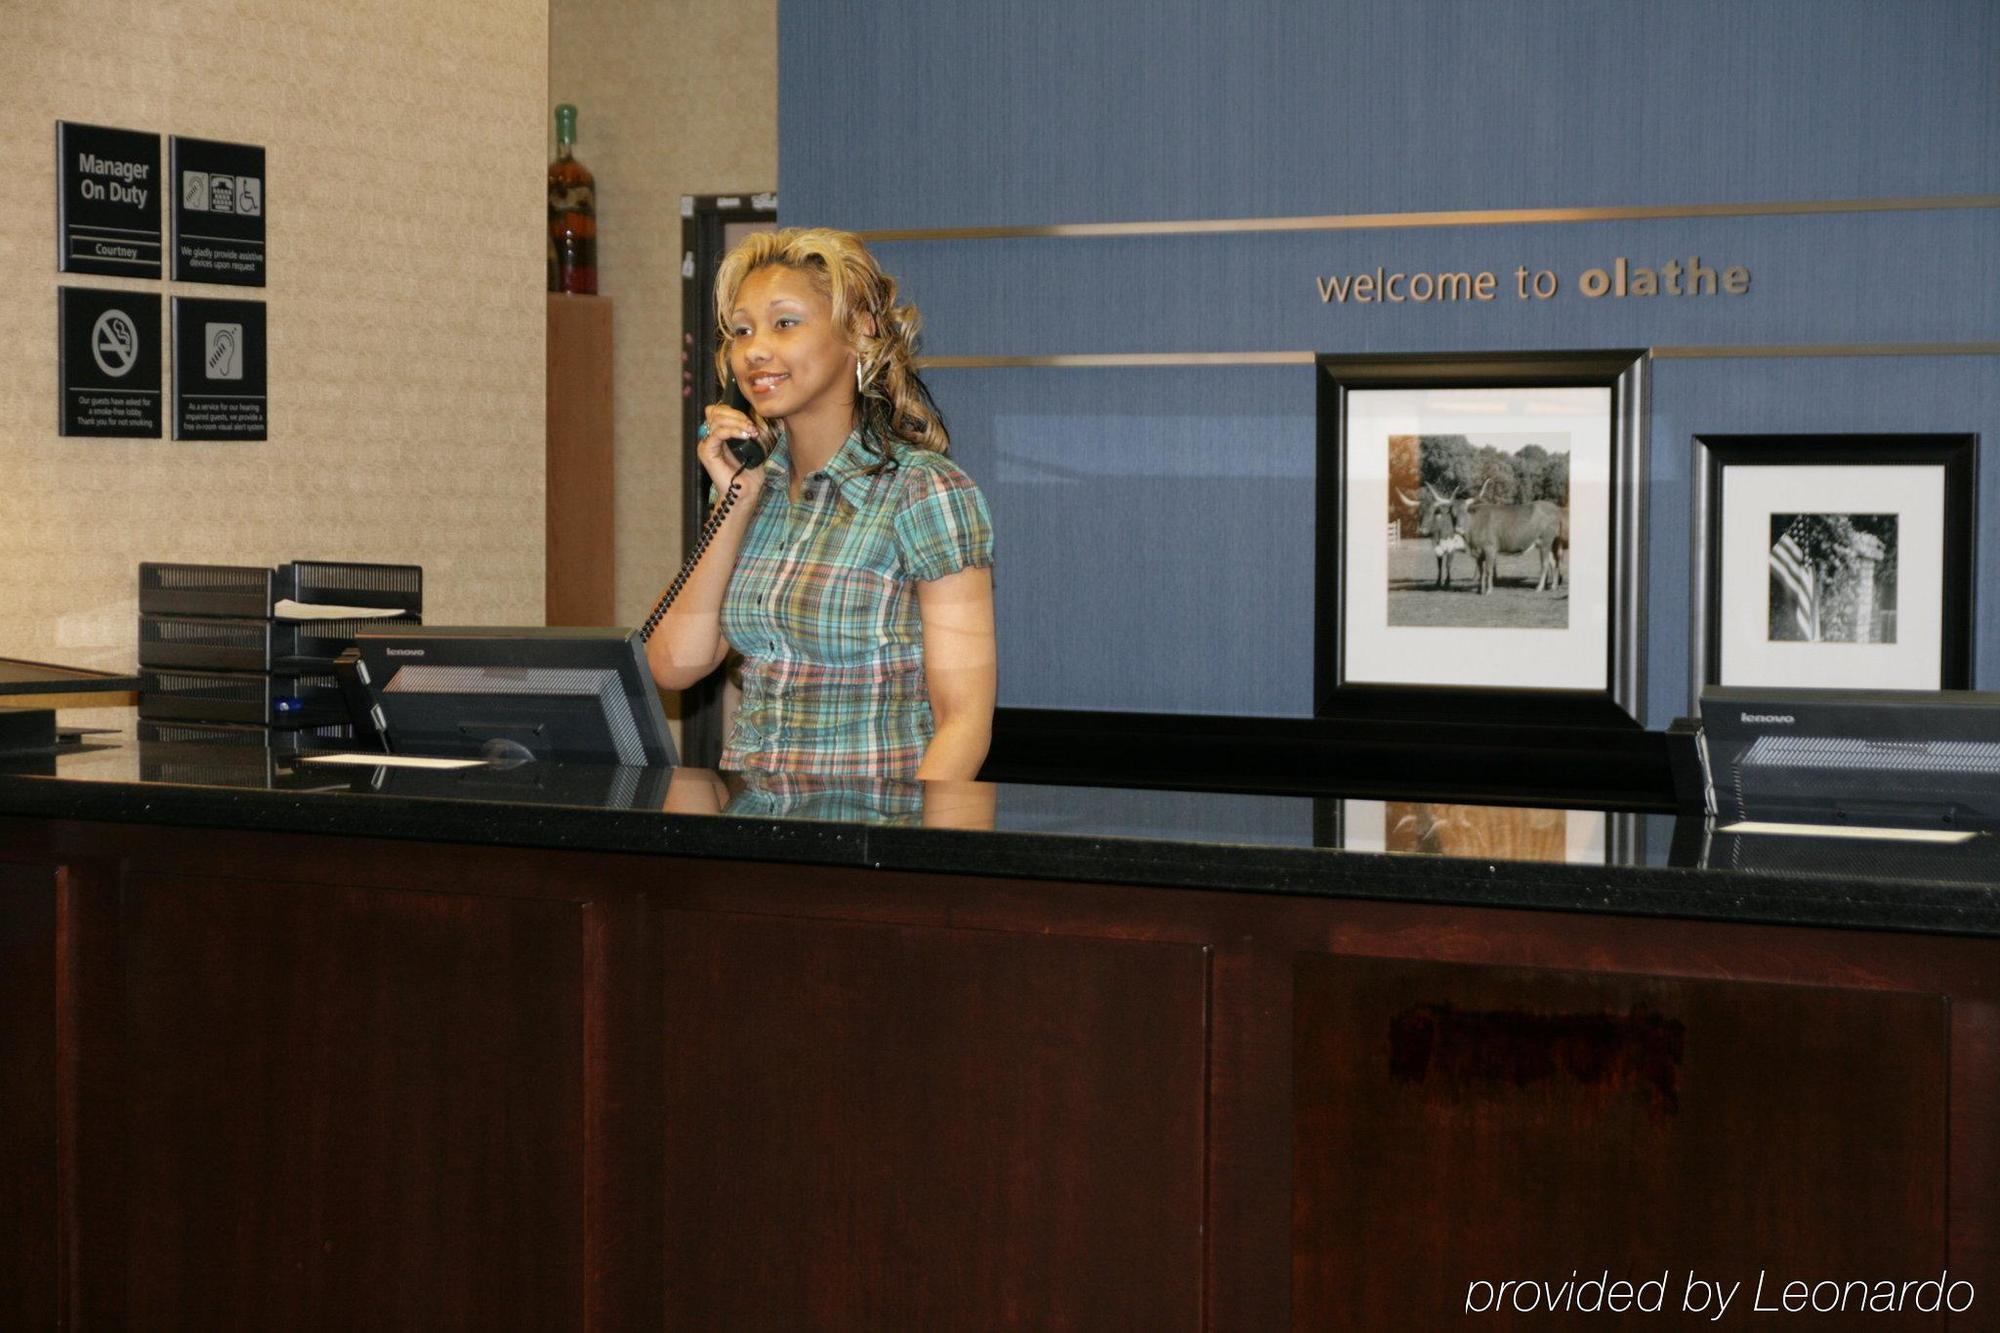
(1751, 494)
(1572, 658)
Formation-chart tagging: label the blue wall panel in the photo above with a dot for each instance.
(1156, 525)
(896, 113)
(1149, 527)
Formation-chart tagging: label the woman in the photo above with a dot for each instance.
(854, 571)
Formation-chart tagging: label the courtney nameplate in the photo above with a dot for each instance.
(1718, 1298)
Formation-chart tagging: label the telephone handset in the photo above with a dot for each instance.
(748, 454)
(753, 451)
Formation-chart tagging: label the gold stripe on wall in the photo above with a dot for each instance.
(1831, 349)
(1481, 217)
(1141, 359)
(1111, 359)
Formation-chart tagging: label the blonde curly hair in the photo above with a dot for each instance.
(894, 403)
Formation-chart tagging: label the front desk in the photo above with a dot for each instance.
(290, 1047)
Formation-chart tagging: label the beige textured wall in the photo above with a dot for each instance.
(405, 216)
(674, 97)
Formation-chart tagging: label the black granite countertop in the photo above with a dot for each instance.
(1539, 859)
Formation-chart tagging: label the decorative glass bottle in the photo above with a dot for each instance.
(572, 214)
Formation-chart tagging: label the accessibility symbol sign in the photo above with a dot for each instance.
(108, 359)
(114, 342)
(218, 211)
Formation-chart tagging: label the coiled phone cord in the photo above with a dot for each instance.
(707, 535)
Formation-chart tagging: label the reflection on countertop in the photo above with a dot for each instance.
(1521, 856)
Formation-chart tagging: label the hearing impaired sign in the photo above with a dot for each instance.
(220, 376)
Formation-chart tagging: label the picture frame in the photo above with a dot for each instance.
(1834, 561)
(1548, 834)
(1480, 538)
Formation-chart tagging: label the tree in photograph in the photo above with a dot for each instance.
(1450, 464)
(1453, 465)
(1555, 479)
(1406, 478)
(1531, 466)
(1497, 482)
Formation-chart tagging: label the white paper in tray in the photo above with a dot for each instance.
(390, 761)
(287, 609)
(1849, 831)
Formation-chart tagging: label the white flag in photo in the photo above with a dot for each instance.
(1792, 572)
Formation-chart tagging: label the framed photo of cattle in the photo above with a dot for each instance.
(1480, 537)
(1834, 561)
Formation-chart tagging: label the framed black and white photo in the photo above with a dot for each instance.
(1834, 561)
(1479, 537)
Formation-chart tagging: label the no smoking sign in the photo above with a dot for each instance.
(114, 343)
(109, 345)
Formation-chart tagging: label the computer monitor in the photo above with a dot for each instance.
(1880, 757)
(581, 695)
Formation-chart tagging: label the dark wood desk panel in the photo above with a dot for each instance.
(1457, 1124)
(1256, 1102)
(327, 1106)
(28, 1116)
(922, 1127)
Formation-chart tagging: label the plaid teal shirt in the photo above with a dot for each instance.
(823, 607)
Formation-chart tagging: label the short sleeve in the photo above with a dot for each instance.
(942, 525)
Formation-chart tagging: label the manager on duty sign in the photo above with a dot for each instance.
(107, 201)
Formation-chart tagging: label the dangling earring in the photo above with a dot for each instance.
(860, 379)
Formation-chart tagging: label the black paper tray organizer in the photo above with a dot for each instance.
(251, 592)
(308, 645)
(213, 644)
(205, 590)
(344, 583)
(174, 695)
(300, 740)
